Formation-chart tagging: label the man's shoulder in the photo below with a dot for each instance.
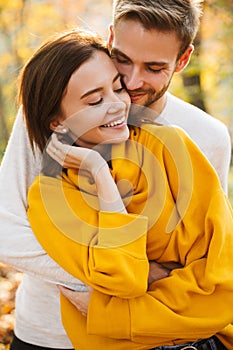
(191, 118)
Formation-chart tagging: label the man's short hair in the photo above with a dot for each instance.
(179, 16)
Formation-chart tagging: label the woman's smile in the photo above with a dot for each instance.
(116, 123)
(96, 111)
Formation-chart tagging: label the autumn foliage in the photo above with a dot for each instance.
(25, 24)
(9, 282)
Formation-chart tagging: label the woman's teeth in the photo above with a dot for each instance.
(117, 122)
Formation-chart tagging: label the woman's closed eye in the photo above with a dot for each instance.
(119, 90)
(120, 86)
(99, 101)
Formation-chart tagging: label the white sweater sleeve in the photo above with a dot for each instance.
(19, 247)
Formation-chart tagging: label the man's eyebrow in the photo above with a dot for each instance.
(156, 63)
(117, 76)
(117, 52)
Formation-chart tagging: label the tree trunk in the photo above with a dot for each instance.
(4, 133)
(192, 77)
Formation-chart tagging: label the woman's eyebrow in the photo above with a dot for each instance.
(117, 76)
(91, 92)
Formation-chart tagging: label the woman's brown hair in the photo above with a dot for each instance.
(44, 78)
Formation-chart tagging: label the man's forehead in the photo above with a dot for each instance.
(139, 44)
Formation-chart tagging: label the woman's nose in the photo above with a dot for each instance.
(116, 106)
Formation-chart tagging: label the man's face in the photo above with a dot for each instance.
(147, 60)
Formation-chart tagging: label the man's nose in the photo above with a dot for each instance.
(133, 78)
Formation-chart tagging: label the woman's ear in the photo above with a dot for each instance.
(55, 125)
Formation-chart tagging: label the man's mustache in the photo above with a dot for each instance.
(138, 91)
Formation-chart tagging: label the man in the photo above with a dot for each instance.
(147, 48)
(38, 320)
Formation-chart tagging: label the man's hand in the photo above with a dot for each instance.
(158, 271)
(79, 299)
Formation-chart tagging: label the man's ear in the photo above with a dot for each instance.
(184, 59)
(110, 36)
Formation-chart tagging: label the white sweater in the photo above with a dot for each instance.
(37, 302)
(208, 133)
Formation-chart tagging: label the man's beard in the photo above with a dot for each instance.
(145, 111)
(154, 96)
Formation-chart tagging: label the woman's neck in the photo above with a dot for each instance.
(103, 149)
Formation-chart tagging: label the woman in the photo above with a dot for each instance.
(103, 234)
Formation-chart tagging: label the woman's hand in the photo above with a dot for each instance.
(75, 157)
(79, 299)
(89, 160)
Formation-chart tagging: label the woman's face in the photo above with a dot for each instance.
(95, 106)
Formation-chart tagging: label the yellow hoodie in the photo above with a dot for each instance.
(177, 213)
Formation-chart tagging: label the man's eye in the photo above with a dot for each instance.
(120, 60)
(96, 102)
(155, 70)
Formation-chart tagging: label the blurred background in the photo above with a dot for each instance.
(207, 82)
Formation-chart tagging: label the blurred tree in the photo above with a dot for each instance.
(217, 58)
(15, 46)
(7, 52)
(191, 77)
(207, 82)
(24, 24)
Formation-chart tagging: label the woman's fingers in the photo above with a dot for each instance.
(75, 157)
(59, 151)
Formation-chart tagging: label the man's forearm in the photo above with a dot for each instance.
(19, 247)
